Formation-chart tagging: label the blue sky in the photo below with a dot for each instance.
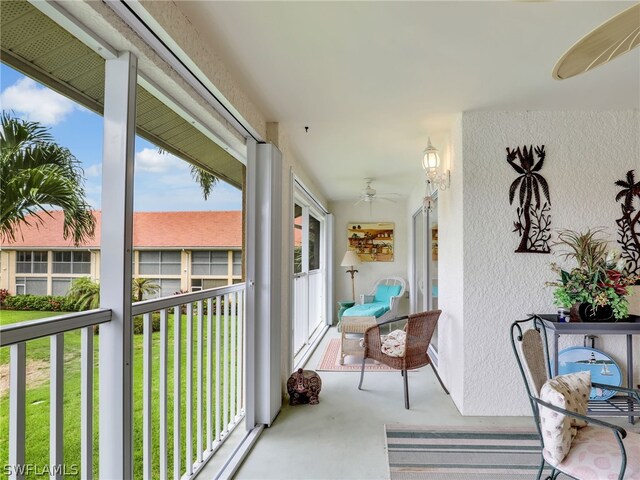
(162, 181)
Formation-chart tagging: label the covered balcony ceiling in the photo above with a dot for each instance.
(372, 80)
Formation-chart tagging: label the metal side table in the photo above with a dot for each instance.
(618, 406)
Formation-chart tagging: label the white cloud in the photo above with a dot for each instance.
(151, 160)
(35, 102)
(93, 171)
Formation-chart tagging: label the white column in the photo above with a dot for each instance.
(116, 385)
(264, 281)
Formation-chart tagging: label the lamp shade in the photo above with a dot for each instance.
(431, 159)
(350, 259)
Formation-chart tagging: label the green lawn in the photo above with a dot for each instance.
(37, 445)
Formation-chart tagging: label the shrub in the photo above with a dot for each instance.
(4, 293)
(138, 324)
(45, 303)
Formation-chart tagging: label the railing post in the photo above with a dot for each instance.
(17, 407)
(56, 403)
(116, 383)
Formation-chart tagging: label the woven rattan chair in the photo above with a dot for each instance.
(419, 330)
(599, 444)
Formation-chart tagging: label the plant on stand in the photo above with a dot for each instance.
(596, 289)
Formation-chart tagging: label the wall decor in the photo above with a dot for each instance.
(629, 222)
(534, 214)
(373, 242)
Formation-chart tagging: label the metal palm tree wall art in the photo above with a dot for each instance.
(629, 223)
(534, 217)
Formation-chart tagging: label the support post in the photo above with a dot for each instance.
(116, 353)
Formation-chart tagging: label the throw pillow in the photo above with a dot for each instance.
(570, 392)
(393, 344)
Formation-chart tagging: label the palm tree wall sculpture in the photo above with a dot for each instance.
(534, 218)
(629, 223)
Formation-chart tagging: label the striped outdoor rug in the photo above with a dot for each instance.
(461, 453)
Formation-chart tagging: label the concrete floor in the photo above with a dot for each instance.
(343, 436)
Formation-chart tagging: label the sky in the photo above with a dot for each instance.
(162, 181)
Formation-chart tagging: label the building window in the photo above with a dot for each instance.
(60, 286)
(31, 262)
(237, 263)
(31, 286)
(72, 262)
(198, 284)
(164, 262)
(213, 262)
(168, 287)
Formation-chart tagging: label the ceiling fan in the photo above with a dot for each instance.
(614, 37)
(369, 194)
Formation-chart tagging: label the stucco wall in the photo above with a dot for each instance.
(586, 153)
(369, 272)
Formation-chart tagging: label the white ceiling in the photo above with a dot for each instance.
(373, 79)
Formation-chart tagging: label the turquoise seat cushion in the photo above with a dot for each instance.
(385, 292)
(375, 309)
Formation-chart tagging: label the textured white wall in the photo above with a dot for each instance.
(369, 272)
(586, 153)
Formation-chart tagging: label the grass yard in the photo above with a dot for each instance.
(37, 420)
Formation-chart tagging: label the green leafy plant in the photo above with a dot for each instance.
(599, 278)
(38, 174)
(85, 293)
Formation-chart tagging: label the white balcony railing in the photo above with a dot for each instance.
(203, 332)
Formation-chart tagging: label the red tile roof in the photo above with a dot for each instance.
(150, 230)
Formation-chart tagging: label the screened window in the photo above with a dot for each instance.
(31, 262)
(72, 262)
(60, 286)
(31, 286)
(164, 262)
(168, 287)
(213, 262)
(237, 263)
(198, 284)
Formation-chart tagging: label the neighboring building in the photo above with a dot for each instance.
(179, 250)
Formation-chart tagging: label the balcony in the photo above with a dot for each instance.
(187, 393)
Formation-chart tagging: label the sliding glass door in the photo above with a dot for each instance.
(424, 281)
(309, 272)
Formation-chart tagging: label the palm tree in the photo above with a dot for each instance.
(530, 183)
(143, 286)
(36, 174)
(85, 293)
(203, 178)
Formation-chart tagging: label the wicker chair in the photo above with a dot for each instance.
(419, 330)
(598, 445)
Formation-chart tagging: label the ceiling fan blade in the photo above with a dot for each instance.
(614, 37)
(386, 200)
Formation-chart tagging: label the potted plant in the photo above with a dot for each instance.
(596, 289)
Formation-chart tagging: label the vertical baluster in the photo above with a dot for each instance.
(199, 386)
(177, 390)
(56, 411)
(86, 403)
(240, 355)
(218, 366)
(17, 407)
(225, 366)
(233, 321)
(209, 372)
(163, 393)
(189, 399)
(147, 340)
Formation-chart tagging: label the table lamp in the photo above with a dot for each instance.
(350, 260)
